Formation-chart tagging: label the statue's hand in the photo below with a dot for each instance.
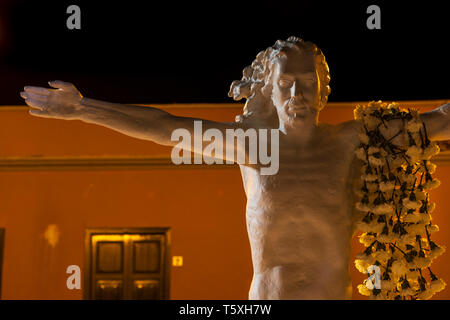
(63, 102)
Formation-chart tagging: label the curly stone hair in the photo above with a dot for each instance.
(256, 78)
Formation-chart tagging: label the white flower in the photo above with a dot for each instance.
(358, 112)
(374, 226)
(413, 125)
(408, 204)
(412, 275)
(371, 122)
(373, 150)
(397, 162)
(362, 207)
(407, 239)
(431, 150)
(431, 167)
(376, 162)
(387, 285)
(420, 195)
(419, 262)
(383, 209)
(437, 285)
(415, 153)
(399, 267)
(416, 229)
(407, 292)
(361, 154)
(412, 218)
(364, 138)
(425, 295)
(372, 187)
(431, 184)
(369, 177)
(387, 186)
(431, 206)
(386, 238)
(425, 218)
(433, 228)
(381, 256)
(436, 252)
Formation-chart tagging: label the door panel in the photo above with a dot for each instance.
(131, 264)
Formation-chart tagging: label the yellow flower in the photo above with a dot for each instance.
(364, 290)
(366, 239)
(362, 265)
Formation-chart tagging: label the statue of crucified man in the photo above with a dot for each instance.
(299, 220)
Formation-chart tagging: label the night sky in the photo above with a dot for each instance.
(150, 52)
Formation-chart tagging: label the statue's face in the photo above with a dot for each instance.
(295, 82)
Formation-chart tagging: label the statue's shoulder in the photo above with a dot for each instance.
(351, 127)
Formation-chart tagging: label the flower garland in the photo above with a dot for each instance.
(394, 207)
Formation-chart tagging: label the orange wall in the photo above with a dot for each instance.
(204, 207)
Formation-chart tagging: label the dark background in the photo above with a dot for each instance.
(163, 52)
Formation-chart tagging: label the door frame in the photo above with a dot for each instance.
(89, 232)
(2, 244)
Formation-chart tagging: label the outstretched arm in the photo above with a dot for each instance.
(437, 122)
(147, 123)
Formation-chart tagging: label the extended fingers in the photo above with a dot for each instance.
(38, 90)
(35, 103)
(33, 96)
(61, 84)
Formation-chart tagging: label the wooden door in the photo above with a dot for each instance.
(127, 264)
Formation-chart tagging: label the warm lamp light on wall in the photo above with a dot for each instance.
(177, 261)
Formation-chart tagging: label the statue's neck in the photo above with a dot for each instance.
(300, 131)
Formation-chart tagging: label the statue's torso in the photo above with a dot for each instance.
(299, 220)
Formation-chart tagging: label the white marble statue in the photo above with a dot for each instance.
(299, 220)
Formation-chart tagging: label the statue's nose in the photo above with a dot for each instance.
(295, 90)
